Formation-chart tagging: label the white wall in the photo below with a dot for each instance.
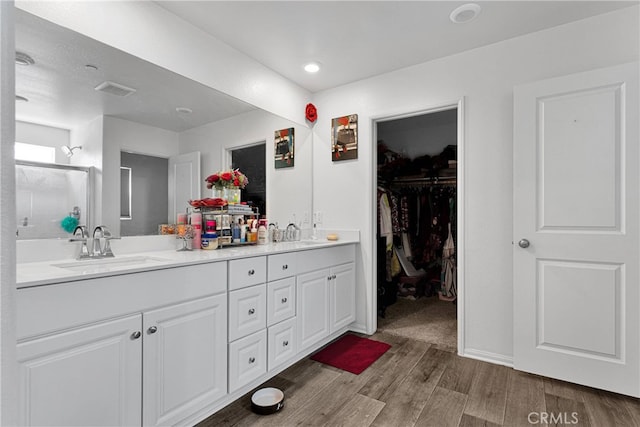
(32, 133)
(147, 31)
(90, 137)
(8, 365)
(485, 78)
(287, 189)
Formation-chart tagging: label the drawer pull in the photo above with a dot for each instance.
(285, 343)
(252, 360)
(284, 300)
(284, 267)
(329, 278)
(252, 310)
(251, 272)
(136, 335)
(333, 277)
(152, 330)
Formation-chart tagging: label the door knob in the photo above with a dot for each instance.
(523, 243)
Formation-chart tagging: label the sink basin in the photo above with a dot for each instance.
(107, 264)
(312, 242)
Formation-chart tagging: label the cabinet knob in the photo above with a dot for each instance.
(152, 330)
(333, 277)
(284, 267)
(329, 278)
(284, 300)
(285, 343)
(252, 310)
(252, 360)
(251, 272)
(136, 335)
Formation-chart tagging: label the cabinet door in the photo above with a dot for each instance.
(343, 296)
(89, 376)
(185, 359)
(312, 307)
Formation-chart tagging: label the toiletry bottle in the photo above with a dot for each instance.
(254, 231)
(243, 230)
(235, 232)
(196, 224)
(262, 235)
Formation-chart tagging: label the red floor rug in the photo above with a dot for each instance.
(351, 353)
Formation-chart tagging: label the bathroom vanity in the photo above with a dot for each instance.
(166, 338)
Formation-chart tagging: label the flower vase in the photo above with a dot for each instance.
(218, 193)
(233, 195)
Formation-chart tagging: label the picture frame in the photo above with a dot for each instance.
(344, 138)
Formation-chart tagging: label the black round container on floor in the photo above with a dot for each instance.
(267, 401)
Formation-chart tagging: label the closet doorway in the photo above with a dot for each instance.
(418, 223)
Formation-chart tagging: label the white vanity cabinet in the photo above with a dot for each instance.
(325, 293)
(87, 376)
(184, 359)
(122, 350)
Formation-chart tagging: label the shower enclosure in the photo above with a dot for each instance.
(46, 194)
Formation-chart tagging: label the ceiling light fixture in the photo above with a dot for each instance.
(312, 67)
(184, 110)
(465, 13)
(69, 150)
(24, 59)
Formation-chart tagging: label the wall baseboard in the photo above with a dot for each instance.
(487, 356)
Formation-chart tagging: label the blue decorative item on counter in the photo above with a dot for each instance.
(69, 224)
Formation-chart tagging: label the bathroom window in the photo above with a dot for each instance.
(35, 153)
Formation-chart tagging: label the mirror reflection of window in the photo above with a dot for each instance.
(251, 161)
(35, 153)
(125, 193)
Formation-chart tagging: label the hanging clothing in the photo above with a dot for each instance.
(385, 219)
(449, 283)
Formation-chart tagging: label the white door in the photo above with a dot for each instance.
(343, 296)
(184, 182)
(185, 359)
(576, 161)
(89, 376)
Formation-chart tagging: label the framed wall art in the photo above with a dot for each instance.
(344, 138)
(284, 148)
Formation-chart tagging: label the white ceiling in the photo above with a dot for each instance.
(358, 39)
(61, 90)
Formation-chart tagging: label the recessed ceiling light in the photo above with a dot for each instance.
(21, 98)
(24, 59)
(465, 13)
(312, 67)
(184, 110)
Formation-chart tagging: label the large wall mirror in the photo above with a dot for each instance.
(109, 103)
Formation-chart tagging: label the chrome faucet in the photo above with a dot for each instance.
(80, 234)
(101, 245)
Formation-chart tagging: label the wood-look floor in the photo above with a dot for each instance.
(420, 384)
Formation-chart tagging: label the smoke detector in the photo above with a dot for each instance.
(115, 89)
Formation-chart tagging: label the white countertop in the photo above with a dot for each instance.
(49, 272)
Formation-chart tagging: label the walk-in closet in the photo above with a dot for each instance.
(417, 226)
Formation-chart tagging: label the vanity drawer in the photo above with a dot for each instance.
(247, 272)
(282, 342)
(281, 300)
(247, 311)
(281, 266)
(247, 359)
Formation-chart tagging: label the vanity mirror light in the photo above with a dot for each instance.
(111, 102)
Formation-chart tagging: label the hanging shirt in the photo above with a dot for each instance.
(385, 219)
